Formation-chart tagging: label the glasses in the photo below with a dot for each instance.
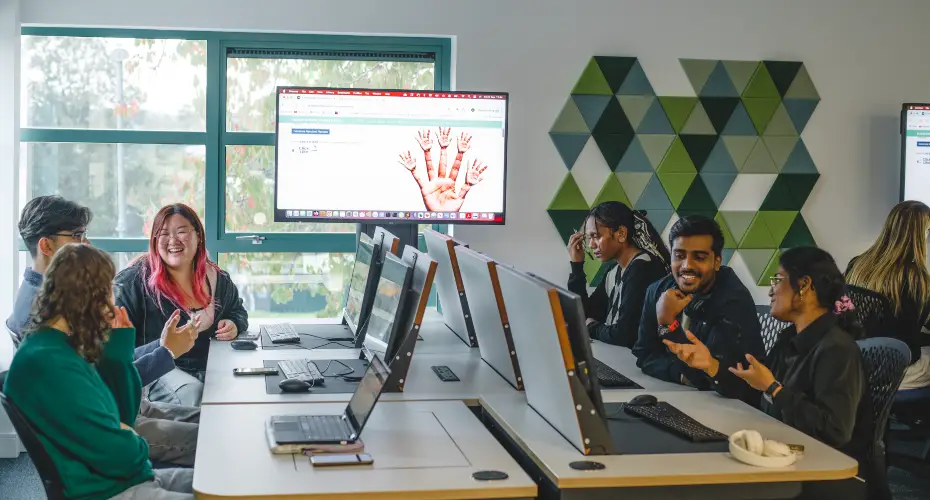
(774, 280)
(80, 235)
(183, 234)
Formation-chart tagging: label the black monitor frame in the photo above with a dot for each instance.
(903, 131)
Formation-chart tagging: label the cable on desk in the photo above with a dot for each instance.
(324, 370)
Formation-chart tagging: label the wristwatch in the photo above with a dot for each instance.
(665, 330)
(770, 392)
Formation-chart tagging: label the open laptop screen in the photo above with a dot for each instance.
(367, 394)
(356, 293)
(388, 300)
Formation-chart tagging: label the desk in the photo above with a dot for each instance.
(622, 359)
(704, 475)
(433, 459)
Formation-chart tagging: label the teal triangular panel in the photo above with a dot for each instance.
(654, 197)
(636, 82)
(635, 159)
(718, 185)
(719, 84)
(592, 107)
(655, 121)
(740, 123)
(800, 111)
(800, 161)
(569, 146)
(720, 161)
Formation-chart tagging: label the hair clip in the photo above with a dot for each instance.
(843, 305)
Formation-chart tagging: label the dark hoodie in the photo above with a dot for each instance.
(724, 320)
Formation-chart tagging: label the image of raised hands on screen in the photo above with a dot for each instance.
(438, 186)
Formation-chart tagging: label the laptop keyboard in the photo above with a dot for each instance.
(608, 377)
(324, 427)
(302, 369)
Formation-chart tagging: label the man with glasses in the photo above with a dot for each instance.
(48, 223)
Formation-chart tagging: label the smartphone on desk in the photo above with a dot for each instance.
(265, 370)
(331, 460)
(247, 336)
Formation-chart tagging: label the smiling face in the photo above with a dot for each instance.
(604, 243)
(177, 242)
(694, 264)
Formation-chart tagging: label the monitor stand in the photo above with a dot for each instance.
(407, 233)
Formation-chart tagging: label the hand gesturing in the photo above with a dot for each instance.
(423, 137)
(443, 138)
(475, 173)
(464, 142)
(439, 195)
(406, 159)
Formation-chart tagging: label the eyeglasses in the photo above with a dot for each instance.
(774, 280)
(80, 235)
(183, 233)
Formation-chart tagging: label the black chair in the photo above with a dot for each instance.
(771, 327)
(873, 310)
(54, 490)
(884, 361)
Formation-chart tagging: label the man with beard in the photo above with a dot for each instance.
(700, 299)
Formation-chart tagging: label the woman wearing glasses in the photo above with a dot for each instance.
(177, 283)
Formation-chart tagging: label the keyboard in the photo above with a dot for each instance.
(608, 377)
(672, 419)
(302, 369)
(282, 333)
(324, 427)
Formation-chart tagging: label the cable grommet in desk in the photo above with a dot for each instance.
(587, 465)
(489, 475)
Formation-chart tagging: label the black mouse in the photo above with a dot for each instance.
(243, 345)
(643, 400)
(294, 385)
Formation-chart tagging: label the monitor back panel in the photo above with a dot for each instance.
(449, 285)
(543, 350)
(488, 313)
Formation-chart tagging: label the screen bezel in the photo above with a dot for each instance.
(279, 213)
(902, 130)
(363, 249)
(376, 366)
(395, 270)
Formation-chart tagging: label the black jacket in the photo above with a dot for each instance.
(636, 278)
(150, 317)
(724, 320)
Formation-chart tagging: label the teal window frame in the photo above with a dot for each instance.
(215, 138)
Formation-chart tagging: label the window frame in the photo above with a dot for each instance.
(215, 138)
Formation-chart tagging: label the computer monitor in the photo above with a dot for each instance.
(370, 156)
(367, 393)
(915, 152)
(389, 242)
(387, 309)
(489, 314)
(362, 283)
(449, 287)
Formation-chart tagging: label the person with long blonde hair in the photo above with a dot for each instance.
(896, 267)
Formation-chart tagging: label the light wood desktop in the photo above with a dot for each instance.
(552, 453)
(623, 360)
(421, 450)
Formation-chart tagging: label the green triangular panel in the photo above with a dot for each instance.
(801, 186)
(738, 222)
(799, 235)
(635, 159)
(613, 121)
(678, 109)
(636, 82)
(760, 111)
(740, 123)
(799, 162)
(591, 107)
(778, 223)
(592, 81)
(740, 147)
(596, 270)
(780, 147)
(654, 197)
(727, 255)
(656, 146)
(759, 161)
(728, 240)
(770, 270)
(633, 184)
(570, 120)
(719, 84)
(569, 146)
(699, 147)
(741, 72)
(568, 197)
(567, 222)
(697, 199)
(615, 70)
(676, 185)
(761, 85)
(802, 87)
(655, 121)
(720, 161)
(757, 260)
(635, 107)
(698, 71)
(780, 196)
(800, 111)
(677, 160)
(719, 110)
(698, 122)
(613, 191)
(758, 235)
(613, 147)
(781, 123)
(782, 73)
(718, 185)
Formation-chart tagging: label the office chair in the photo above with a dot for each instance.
(884, 361)
(771, 327)
(872, 310)
(54, 490)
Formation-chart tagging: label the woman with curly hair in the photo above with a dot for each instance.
(74, 380)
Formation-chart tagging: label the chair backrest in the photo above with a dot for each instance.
(771, 327)
(51, 480)
(884, 360)
(873, 310)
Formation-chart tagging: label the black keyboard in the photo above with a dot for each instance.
(324, 427)
(608, 377)
(672, 419)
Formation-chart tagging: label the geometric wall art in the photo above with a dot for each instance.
(732, 152)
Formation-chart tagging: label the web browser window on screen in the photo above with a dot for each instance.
(360, 154)
(916, 157)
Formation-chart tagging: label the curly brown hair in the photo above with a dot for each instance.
(78, 289)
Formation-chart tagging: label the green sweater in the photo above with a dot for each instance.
(77, 407)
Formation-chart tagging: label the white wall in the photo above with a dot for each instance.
(865, 57)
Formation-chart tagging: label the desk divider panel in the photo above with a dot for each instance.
(449, 287)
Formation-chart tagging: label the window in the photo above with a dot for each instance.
(126, 121)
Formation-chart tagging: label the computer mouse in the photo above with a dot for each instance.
(643, 400)
(294, 385)
(243, 345)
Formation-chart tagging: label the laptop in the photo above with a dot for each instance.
(335, 429)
